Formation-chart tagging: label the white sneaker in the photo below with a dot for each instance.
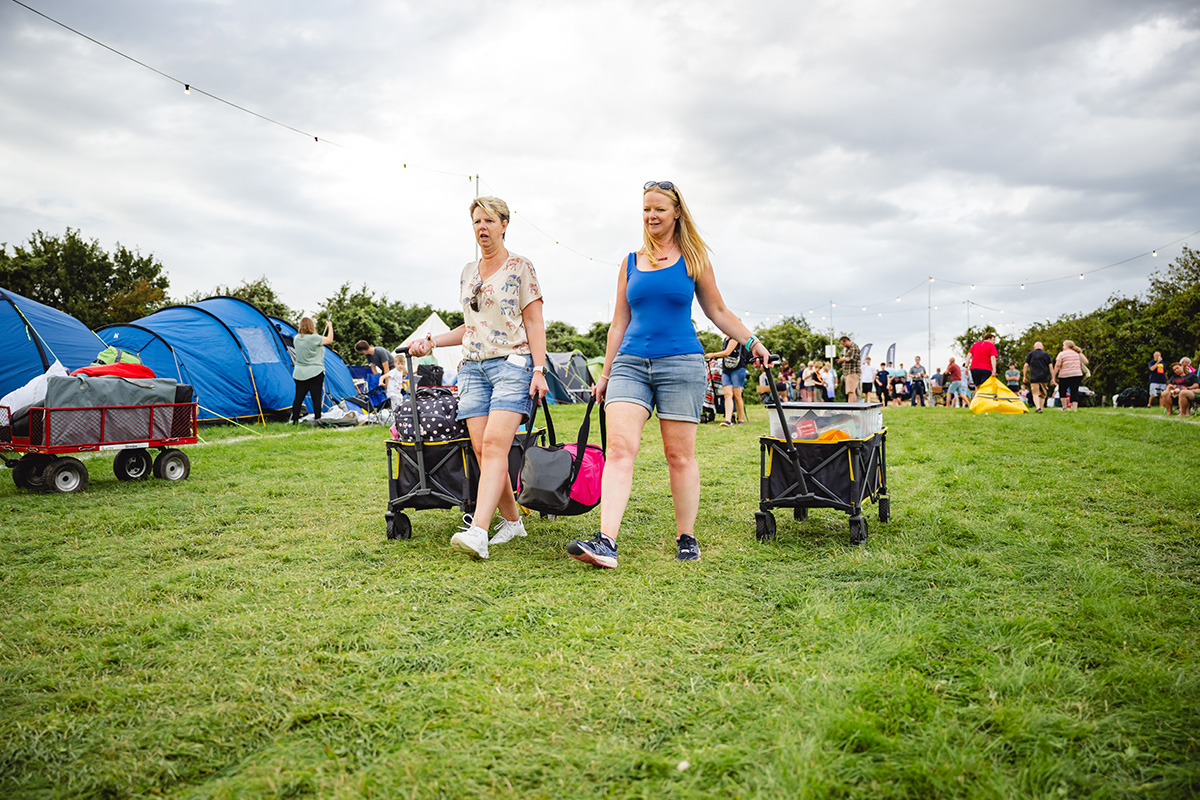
(507, 531)
(471, 539)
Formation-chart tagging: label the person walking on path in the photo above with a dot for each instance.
(1067, 372)
(983, 358)
(733, 380)
(851, 362)
(309, 369)
(1036, 373)
(653, 363)
(503, 373)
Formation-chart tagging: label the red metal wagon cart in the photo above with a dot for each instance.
(132, 431)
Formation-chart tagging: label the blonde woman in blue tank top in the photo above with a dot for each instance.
(655, 364)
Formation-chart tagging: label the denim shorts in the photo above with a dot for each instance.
(734, 377)
(494, 384)
(672, 386)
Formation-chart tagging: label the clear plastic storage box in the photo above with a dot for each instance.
(808, 421)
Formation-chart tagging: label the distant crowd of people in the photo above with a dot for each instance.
(1043, 379)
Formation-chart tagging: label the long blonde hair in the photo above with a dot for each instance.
(687, 238)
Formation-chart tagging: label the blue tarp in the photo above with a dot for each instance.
(33, 335)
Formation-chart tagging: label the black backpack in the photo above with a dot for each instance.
(1133, 397)
(429, 375)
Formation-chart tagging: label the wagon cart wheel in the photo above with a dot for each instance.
(399, 526)
(885, 509)
(133, 465)
(764, 526)
(172, 465)
(800, 513)
(858, 530)
(29, 470)
(66, 475)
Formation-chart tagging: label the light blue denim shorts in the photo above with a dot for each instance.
(494, 384)
(734, 377)
(671, 386)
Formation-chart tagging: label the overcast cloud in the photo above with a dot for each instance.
(831, 151)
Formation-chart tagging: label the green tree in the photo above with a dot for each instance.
(1173, 306)
(262, 295)
(563, 338)
(359, 314)
(598, 333)
(793, 339)
(80, 278)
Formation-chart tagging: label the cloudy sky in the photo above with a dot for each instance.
(836, 155)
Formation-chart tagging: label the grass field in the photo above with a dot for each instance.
(1024, 626)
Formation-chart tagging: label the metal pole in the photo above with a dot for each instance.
(477, 195)
(929, 312)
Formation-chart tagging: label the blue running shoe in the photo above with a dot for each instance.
(595, 551)
(689, 550)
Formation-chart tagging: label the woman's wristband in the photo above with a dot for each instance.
(750, 340)
(603, 377)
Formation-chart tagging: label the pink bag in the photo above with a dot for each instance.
(563, 479)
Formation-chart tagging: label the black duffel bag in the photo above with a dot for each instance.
(562, 479)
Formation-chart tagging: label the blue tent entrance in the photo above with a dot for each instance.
(34, 336)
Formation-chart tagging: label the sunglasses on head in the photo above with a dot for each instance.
(658, 185)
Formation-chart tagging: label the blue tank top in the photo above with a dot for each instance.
(660, 305)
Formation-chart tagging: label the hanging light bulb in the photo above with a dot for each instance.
(1081, 276)
(1154, 253)
(972, 286)
(187, 88)
(1022, 287)
(864, 308)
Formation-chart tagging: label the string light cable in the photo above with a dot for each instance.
(1153, 253)
(188, 88)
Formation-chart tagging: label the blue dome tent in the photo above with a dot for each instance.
(232, 354)
(34, 336)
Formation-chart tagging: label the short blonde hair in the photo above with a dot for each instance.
(687, 238)
(307, 326)
(491, 205)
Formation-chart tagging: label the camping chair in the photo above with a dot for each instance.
(939, 395)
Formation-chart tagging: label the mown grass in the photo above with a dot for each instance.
(1025, 626)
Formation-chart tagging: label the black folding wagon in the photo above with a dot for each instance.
(822, 455)
(431, 463)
